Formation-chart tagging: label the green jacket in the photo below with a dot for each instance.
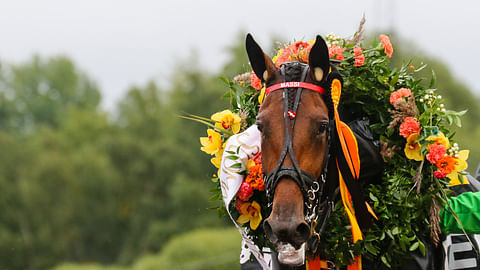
(467, 208)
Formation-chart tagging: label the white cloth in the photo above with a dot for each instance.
(248, 145)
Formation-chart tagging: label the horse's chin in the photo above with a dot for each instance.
(287, 254)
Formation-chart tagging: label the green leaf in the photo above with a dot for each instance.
(224, 80)
(394, 79)
(232, 157)
(462, 112)
(414, 246)
(421, 247)
(385, 261)
(457, 121)
(236, 166)
(433, 79)
(370, 248)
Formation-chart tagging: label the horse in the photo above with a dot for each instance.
(300, 150)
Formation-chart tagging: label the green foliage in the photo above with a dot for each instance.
(455, 92)
(205, 249)
(199, 250)
(41, 92)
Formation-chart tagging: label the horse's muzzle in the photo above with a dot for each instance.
(288, 234)
(295, 232)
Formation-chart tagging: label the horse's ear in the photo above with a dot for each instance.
(261, 64)
(318, 59)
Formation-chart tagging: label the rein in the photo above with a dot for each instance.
(312, 189)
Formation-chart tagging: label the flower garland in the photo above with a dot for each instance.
(412, 124)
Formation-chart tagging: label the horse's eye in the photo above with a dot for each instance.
(259, 126)
(322, 128)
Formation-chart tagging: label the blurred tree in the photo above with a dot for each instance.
(40, 92)
(164, 180)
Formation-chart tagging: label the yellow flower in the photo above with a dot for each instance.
(412, 148)
(217, 160)
(250, 212)
(250, 163)
(460, 165)
(226, 120)
(211, 144)
(440, 139)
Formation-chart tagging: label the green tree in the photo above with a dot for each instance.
(41, 91)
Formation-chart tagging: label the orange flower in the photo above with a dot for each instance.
(297, 51)
(255, 81)
(397, 95)
(255, 177)
(386, 45)
(446, 164)
(409, 126)
(336, 52)
(359, 57)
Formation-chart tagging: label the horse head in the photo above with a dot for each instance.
(295, 124)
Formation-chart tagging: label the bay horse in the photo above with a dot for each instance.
(299, 150)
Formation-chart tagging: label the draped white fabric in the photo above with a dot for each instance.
(247, 144)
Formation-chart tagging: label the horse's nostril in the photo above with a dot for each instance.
(302, 233)
(268, 231)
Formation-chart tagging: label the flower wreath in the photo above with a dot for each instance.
(411, 123)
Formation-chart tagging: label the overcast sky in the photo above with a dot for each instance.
(121, 43)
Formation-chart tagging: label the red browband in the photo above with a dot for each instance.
(305, 85)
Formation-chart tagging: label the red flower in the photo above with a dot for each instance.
(245, 192)
(299, 45)
(439, 174)
(397, 95)
(238, 204)
(255, 81)
(410, 125)
(336, 52)
(436, 152)
(386, 45)
(359, 57)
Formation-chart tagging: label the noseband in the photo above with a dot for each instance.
(312, 189)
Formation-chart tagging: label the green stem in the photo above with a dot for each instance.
(224, 131)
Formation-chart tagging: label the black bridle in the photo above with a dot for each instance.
(312, 188)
